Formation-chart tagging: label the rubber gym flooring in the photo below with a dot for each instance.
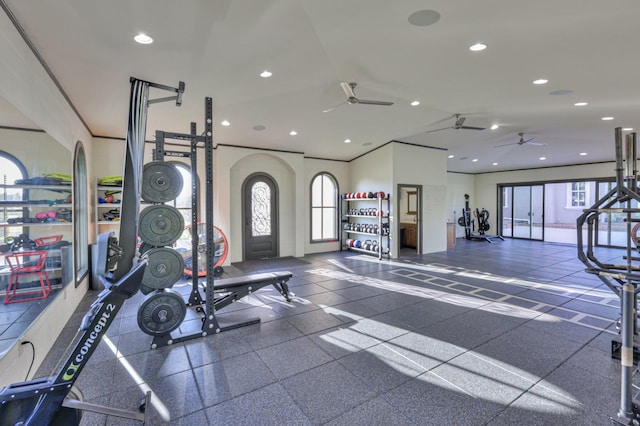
(513, 332)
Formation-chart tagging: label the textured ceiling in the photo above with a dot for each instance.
(218, 48)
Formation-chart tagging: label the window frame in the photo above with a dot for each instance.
(336, 191)
(80, 214)
(571, 191)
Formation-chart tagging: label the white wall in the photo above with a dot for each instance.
(414, 165)
(25, 85)
(232, 165)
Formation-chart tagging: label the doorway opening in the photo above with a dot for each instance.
(409, 219)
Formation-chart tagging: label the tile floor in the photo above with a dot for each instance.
(486, 334)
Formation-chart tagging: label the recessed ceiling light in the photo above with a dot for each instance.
(543, 158)
(478, 47)
(494, 164)
(607, 118)
(583, 153)
(494, 126)
(347, 141)
(451, 156)
(293, 133)
(540, 81)
(475, 160)
(424, 18)
(143, 39)
(627, 129)
(265, 74)
(415, 103)
(225, 123)
(581, 104)
(259, 127)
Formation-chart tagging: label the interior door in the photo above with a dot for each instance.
(260, 217)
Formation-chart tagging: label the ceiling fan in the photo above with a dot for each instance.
(523, 141)
(352, 99)
(459, 124)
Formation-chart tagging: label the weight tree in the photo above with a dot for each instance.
(622, 278)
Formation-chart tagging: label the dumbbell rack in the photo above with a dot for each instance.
(368, 217)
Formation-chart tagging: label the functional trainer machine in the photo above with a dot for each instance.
(482, 217)
(622, 278)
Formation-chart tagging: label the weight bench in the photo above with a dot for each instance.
(235, 288)
(225, 291)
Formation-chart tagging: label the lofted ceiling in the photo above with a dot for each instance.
(587, 49)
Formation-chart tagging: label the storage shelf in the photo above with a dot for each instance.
(46, 187)
(108, 222)
(5, 224)
(46, 205)
(383, 241)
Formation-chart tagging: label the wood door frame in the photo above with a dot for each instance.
(399, 209)
(275, 218)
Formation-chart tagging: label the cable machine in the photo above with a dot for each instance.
(622, 278)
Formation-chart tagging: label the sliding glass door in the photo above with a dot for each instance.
(523, 211)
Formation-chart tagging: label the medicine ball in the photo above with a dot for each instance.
(381, 194)
(371, 195)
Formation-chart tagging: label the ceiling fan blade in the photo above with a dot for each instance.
(348, 90)
(442, 120)
(369, 102)
(471, 128)
(334, 107)
(534, 143)
(506, 144)
(437, 130)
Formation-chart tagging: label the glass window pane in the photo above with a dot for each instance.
(260, 209)
(316, 192)
(328, 223)
(316, 223)
(328, 192)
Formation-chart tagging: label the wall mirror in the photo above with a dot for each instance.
(36, 221)
(412, 202)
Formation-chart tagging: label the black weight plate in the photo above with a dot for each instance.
(161, 182)
(160, 225)
(161, 313)
(461, 221)
(164, 268)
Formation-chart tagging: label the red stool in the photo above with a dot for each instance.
(23, 264)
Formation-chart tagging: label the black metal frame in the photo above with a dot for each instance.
(622, 279)
(234, 288)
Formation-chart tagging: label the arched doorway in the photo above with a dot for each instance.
(260, 217)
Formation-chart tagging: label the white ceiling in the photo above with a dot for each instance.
(219, 47)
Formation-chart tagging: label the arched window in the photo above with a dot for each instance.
(324, 208)
(10, 169)
(80, 214)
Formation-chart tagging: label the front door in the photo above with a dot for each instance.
(260, 217)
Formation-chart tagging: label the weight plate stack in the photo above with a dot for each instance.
(161, 182)
(161, 313)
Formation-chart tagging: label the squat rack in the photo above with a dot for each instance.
(210, 323)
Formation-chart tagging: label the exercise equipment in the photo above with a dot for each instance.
(164, 269)
(469, 224)
(218, 292)
(160, 225)
(52, 401)
(622, 278)
(161, 182)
